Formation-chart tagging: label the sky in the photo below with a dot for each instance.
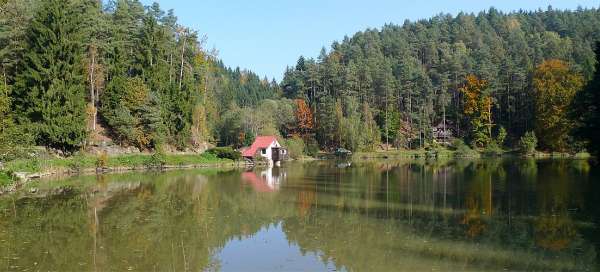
(266, 36)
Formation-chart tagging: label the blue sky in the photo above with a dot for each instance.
(267, 35)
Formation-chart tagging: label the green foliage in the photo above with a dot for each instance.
(157, 160)
(311, 147)
(5, 179)
(158, 86)
(14, 140)
(556, 85)
(49, 86)
(32, 165)
(76, 163)
(410, 75)
(528, 143)
(462, 150)
(493, 150)
(133, 112)
(102, 160)
(586, 110)
(225, 153)
(501, 137)
(295, 147)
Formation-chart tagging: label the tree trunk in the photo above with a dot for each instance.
(170, 68)
(93, 90)
(387, 135)
(181, 69)
(444, 118)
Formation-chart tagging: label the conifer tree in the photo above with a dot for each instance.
(50, 87)
(586, 110)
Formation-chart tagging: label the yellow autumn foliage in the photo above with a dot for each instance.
(555, 85)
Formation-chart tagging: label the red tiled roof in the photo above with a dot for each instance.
(259, 143)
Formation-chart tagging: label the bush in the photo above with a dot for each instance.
(225, 153)
(76, 163)
(295, 147)
(463, 150)
(501, 138)
(102, 160)
(5, 179)
(311, 147)
(493, 150)
(528, 143)
(158, 160)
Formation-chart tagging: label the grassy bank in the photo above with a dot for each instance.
(90, 163)
(408, 154)
(463, 152)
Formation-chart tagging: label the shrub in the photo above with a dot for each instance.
(295, 147)
(311, 147)
(501, 137)
(5, 179)
(102, 160)
(76, 163)
(225, 153)
(528, 143)
(493, 150)
(456, 144)
(463, 150)
(158, 160)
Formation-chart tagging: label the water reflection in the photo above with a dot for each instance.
(266, 180)
(375, 216)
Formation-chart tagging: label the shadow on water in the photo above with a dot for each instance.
(376, 216)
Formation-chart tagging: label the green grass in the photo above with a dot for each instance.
(439, 152)
(81, 162)
(583, 155)
(391, 154)
(5, 179)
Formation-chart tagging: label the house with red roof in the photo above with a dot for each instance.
(266, 147)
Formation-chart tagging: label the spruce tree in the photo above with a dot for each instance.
(50, 87)
(587, 109)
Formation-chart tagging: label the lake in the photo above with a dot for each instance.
(480, 215)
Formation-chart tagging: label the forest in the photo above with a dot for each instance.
(77, 72)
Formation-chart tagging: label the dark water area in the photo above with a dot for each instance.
(481, 215)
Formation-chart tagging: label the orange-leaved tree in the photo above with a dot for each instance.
(304, 117)
(555, 85)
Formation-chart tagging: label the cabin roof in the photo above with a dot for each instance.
(259, 143)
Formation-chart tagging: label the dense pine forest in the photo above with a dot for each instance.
(78, 71)
(489, 78)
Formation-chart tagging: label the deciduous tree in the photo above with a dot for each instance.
(556, 85)
(478, 108)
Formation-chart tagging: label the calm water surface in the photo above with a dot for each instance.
(485, 215)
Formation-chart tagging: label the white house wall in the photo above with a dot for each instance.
(270, 150)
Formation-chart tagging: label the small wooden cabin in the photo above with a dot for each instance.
(266, 147)
(442, 133)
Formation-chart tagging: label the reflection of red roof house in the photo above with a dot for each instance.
(258, 184)
(267, 147)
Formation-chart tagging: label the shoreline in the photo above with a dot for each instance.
(17, 174)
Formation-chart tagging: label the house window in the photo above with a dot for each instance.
(263, 151)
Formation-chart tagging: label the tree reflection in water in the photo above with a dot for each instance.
(374, 216)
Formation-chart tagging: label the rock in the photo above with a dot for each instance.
(22, 176)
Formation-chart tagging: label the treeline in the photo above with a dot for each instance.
(489, 78)
(72, 69)
(75, 71)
